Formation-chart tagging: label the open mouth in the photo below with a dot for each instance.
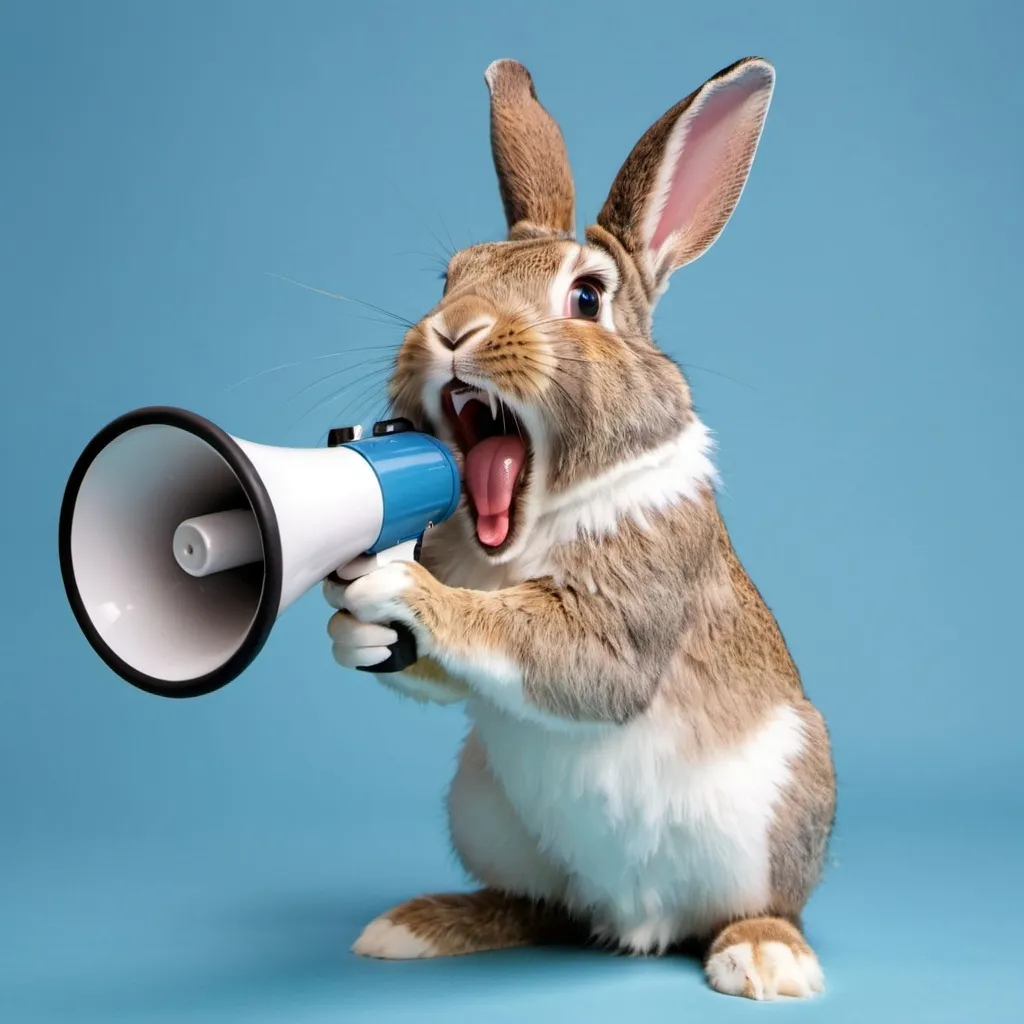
(496, 451)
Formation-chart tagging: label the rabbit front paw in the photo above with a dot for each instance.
(390, 594)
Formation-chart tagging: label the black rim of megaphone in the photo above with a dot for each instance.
(256, 492)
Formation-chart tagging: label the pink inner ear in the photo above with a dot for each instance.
(710, 167)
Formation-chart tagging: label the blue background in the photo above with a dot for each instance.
(854, 339)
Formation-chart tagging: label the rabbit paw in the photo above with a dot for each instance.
(361, 632)
(763, 959)
(389, 594)
(359, 644)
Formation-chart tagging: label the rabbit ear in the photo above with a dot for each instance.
(678, 188)
(529, 156)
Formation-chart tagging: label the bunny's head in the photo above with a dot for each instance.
(537, 365)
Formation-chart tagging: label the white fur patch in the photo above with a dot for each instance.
(499, 680)
(657, 844)
(811, 971)
(347, 631)
(651, 482)
(386, 940)
(378, 596)
(491, 840)
(355, 644)
(770, 970)
(732, 972)
(359, 657)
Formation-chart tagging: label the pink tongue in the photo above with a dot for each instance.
(492, 468)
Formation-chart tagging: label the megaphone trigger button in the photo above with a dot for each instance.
(398, 426)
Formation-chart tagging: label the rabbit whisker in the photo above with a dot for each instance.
(343, 298)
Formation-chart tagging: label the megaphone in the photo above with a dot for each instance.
(180, 545)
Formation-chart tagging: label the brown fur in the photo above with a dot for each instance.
(756, 930)
(529, 156)
(588, 649)
(803, 819)
(459, 923)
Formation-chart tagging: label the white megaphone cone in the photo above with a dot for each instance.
(181, 545)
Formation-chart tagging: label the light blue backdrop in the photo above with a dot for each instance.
(854, 338)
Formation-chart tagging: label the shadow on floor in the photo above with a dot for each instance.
(283, 958)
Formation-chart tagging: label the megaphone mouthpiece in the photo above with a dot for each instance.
(217, 542)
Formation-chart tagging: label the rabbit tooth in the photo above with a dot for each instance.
(460, 399)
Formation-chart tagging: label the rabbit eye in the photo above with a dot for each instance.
(585, 301)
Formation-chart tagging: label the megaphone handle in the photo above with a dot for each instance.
(403, 650)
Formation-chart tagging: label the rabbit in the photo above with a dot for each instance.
(643, 768)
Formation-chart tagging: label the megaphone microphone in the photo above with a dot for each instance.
(181, 545)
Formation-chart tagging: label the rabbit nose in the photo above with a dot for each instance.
(461, 338)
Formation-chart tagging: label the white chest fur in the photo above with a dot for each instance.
(656, 845)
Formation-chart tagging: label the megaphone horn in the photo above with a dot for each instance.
(180, 545)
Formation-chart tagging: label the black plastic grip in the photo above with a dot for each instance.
(403, 652)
